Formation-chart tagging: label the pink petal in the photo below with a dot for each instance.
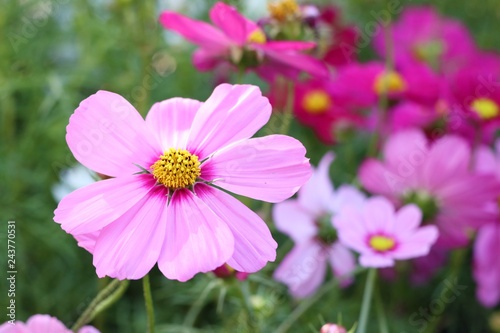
(347, 195)
(171, 120)
(293, 220)
(485, 160)
(405, 152)
(45, 323)
(88, 329)
(254, 245)
(378, 215)
(87, 241)
(231, 113)
(229, 20)
(285, 45)
(375, 260)
(448, 158)
(351, 229)
(418, 244)
(303, 269)
(378, 179)
(107, 135)
(342, 260)
(317, 194)
(408, 218)
(205, 60)
(130, 246)
(197, 32)
(304, 62)
(93, 207)
(270, 168)
(196, 239)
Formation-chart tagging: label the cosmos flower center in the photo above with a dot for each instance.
(485, 108)
(382, 243)
(389, 82)
(257, 36)
(316, 102)
(284, 10)
(176, 168)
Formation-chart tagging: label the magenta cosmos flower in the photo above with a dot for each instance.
(487, 244)
(163, 204)
(437, 178)
(382, 235)
(421, 35)
(307, 220)
(238, 40)
(42, 324)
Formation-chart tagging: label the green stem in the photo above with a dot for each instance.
(383, 327)
(105, 298)
(245, 295)
(198, 305)
(306, 304)
(367, 297)
(148, 299)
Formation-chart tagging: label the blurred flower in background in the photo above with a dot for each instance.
(42, 324)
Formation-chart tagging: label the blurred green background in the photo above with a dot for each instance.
(54, 54)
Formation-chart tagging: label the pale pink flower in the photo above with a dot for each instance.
(161, 206)
(486, 263)
(242, 42)
(437, 177)
(382, 235)
(307, 220)
(42, 324)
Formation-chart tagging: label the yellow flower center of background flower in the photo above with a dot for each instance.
(382, 243)
(389, 82)
(485, 108)
(257, 36)
(316, 102)
(176, 168)
(283, 10)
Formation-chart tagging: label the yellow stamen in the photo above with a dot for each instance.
(382, 243)
(316, 102)
(389, 82)
(284, 10)
(176, 168)
(257, 36)
(485, 108)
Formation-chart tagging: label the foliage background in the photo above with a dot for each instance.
(55, 53)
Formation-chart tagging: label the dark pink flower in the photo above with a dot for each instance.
(421, 35)
(238, 40)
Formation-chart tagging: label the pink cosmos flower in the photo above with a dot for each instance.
(238, 40)
(161, 206)
(382, 235)
(435, 176)
(42, 324)
(421, 35)
(409, 114)
(364, 84)
(474, 99)
(317, 104)
(307, 220)
(486, 263)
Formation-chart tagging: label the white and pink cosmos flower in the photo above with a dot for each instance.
(42, 324)
(164, 202)
(307, 220)
(381, 235)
